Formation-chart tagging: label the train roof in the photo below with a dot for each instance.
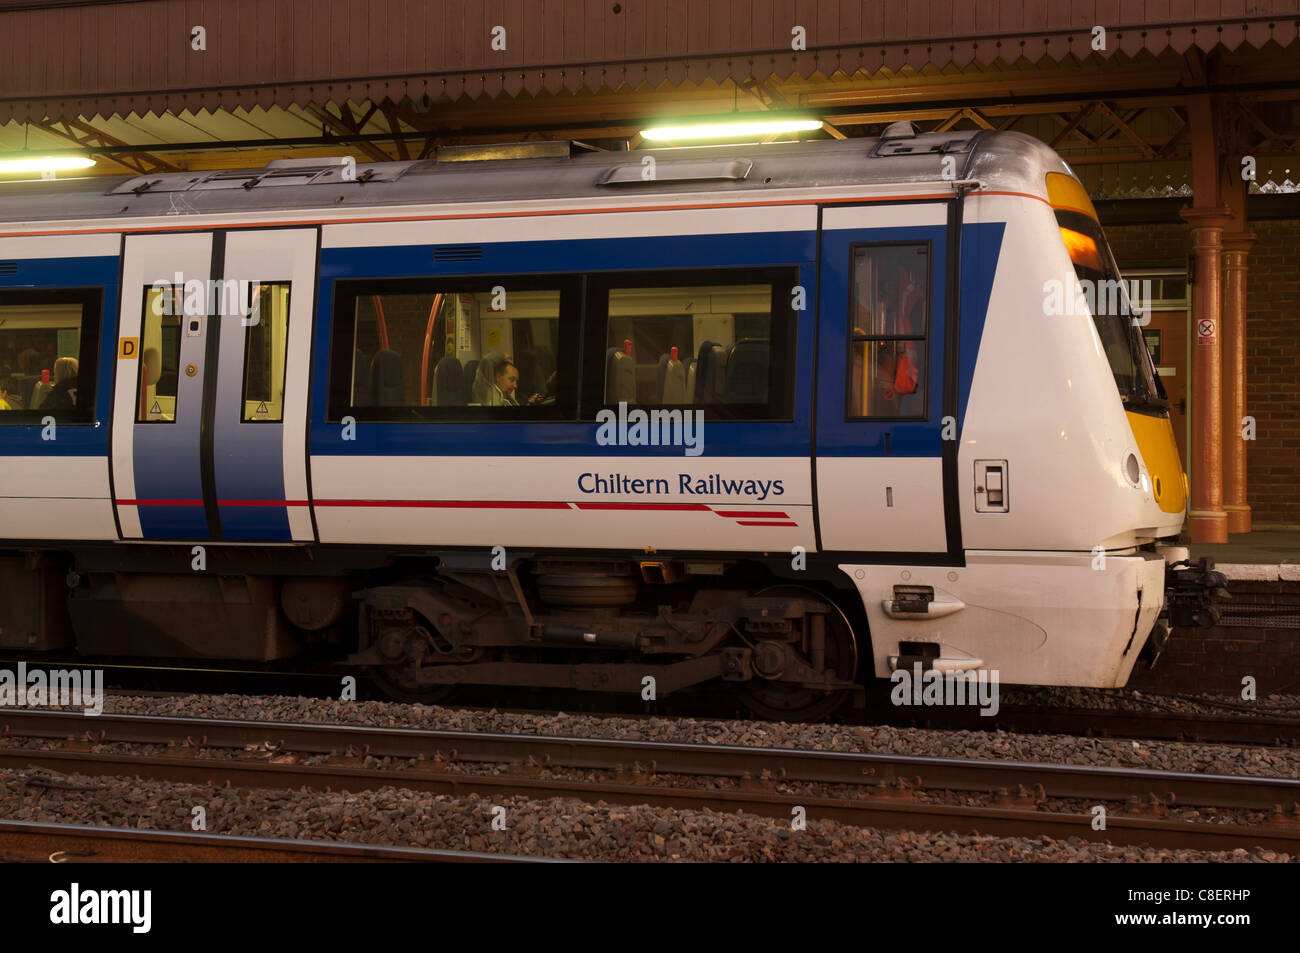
(1001, 160)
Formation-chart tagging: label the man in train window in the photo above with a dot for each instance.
(507, 380)
(63, 395)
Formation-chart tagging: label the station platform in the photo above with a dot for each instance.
(1279, 548)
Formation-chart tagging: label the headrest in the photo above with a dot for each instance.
(747, 369)
(449, 383)
(386, 379)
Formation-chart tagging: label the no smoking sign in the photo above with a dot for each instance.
(1205, 331)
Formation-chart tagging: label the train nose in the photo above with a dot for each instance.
(1155, 441)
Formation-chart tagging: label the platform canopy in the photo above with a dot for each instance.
(153, 85)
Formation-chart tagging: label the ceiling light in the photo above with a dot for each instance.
(756, 128)
(45, 164)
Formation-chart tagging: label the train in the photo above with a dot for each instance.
(781, 419)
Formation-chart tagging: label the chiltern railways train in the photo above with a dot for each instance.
(790, 416)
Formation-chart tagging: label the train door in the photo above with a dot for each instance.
(209, 411)
(880, 387)
(260, 423)
(158, 393)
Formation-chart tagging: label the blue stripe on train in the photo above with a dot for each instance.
(173, 522)
(981, 246)
(575, 256)
(565, 438)
(256, 523)
(980, 249)
(249, 465)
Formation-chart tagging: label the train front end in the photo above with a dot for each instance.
(1070, 486)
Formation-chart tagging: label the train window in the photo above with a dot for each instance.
(48, 346)
(160, 353)
(1113, 314)
(721, 341)
(454, 350)
(265, 341)
(889, 331)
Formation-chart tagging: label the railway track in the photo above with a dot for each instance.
(73, 843)
(1110, 723)
(1265, 728)
(886, 790)
(1256, 729)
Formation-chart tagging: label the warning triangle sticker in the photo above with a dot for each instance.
(261, 410)
(155, 410)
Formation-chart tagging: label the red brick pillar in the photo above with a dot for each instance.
(1235, 248)
(1207, 521)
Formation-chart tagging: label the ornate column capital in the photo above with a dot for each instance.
(1238, 242)
(1205, 218)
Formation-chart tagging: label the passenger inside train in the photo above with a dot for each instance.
(422, 352)
(63, 392)
(891, 309)
(40, 344)
(689, 345)
(446, 349)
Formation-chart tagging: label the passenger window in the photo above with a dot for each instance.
(676, 341)
(419, 351)
(160, 353)
(48, 347)
(265, 341)
(889, 331)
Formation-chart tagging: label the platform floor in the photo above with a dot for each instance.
(1270, 547)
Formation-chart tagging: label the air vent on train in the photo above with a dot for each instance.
(689, 170)
(337, 170)
(458, 253)
(8, 269)
(911, 147)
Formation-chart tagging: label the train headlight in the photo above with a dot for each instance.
(1133, 469)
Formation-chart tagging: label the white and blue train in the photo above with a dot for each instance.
(789, 416)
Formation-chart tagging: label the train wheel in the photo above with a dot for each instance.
(783, 701)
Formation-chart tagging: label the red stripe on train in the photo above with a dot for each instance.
(662, 507)
(453, 504)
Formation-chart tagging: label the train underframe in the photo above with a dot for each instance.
(793, 645)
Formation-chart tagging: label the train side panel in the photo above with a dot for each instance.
(557, 483)
(58, 301)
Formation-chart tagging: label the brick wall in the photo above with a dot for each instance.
(1272, 350)
(1215, 660)
(1273, 372)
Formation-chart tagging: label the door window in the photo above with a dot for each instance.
(889, 310)
(160, 353)
(265, 343)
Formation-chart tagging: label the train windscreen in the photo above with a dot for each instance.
(1118, 320)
